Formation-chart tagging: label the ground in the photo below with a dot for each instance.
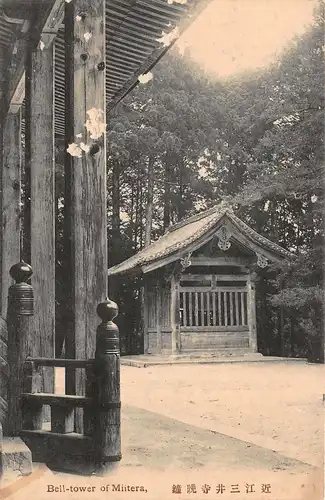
(255, 425)
(278, 406)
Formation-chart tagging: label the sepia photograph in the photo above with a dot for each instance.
(162, 249)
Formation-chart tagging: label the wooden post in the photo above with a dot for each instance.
(11, 178)
(20, 342)
(174, 313)
(89, 420)
(40, 88)
(145, 308)
(32, 411)
(107, 397)
(251, 313)
(86, 194)
(159, 316)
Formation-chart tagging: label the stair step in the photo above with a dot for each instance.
(15, 458)
(54, 449)
(70, 400)
(72, 437)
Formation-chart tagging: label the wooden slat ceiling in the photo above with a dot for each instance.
(132, 30)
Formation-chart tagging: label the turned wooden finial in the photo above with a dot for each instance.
(107, 337)
(107, 310)
(21, 272)
(21, 294)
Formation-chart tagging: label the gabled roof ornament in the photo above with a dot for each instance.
(186, 261)
(261, 261)
(224, 236)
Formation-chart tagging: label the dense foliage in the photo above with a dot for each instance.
(185, 141)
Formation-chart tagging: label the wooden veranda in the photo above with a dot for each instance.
(64, 65)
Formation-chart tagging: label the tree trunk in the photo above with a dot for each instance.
(167, 194)
(149, 207)
(181, 212)
(137, 211)
(114, 243)
(116, 233)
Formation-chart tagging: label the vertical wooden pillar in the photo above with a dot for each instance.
(107, 398)
(40, 91)
(251, 313)
(174, 313)
(159, 317)
(20, 342)
(87, 191)
(145, 307)
(10, 206)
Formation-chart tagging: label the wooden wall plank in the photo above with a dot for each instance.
(11, 197)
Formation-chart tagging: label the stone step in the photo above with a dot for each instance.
(213, 353)
(15, 458)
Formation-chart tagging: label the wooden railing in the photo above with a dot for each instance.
(204, 307)
(60, 445)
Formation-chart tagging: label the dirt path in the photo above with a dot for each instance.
(160, 453)
(278, 406)
(208, 428)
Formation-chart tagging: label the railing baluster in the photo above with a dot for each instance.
(225, 307)
(237, 308)
(220, 322)
(184, 295)
(231, 309)
(190, 309)
(242, 308)
(214, 312)
(196, 309)
(202, 308)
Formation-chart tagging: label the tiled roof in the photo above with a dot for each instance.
(187, 232)
(133, 29)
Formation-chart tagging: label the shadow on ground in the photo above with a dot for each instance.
(153, 441)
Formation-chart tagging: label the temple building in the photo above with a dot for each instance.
(199, 290)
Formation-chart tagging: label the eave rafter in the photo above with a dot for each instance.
(133, 29)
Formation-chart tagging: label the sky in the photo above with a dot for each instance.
(235, 36)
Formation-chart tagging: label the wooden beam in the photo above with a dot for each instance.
(47, 26)
(10, 192)
(40, 138)
(220, 261)
(198, 261)
(87, 198)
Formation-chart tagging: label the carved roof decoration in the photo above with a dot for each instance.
(190, 234)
